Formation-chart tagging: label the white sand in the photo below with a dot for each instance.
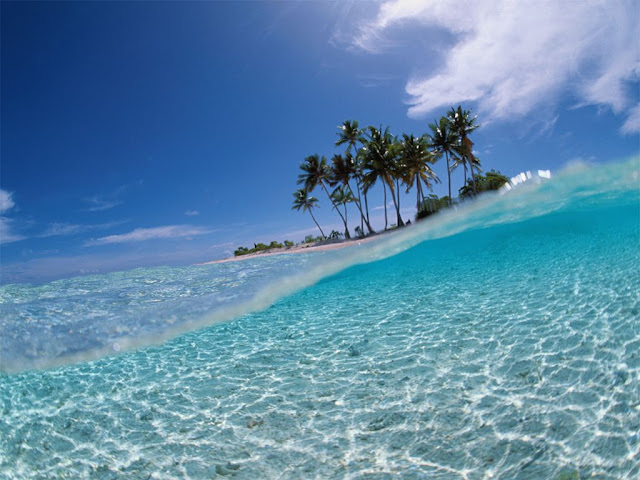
(303, 248)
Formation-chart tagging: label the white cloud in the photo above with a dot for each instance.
(59, 229)
(6, 202)
(513, 57)
(191, 213)
(633, 121)
(141, 234)
(99, 204)
(381, 207)
(7, 235)
(369, 80)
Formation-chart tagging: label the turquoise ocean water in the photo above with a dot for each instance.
(500, 340)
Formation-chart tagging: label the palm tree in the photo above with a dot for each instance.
(302, 200)
(416, 159)
(342, 169)
(457, 161)
(398, 170)
(444, 140)
(342, 196)
(379, 158)
(463, 124)
(351, 134)
(316, 172)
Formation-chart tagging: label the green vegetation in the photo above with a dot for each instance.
(312, 239)
(302, 200)
(431, 205)
(261, 247)
(491, 181)
(373, 155)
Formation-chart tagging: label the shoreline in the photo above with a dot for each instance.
(303, 248)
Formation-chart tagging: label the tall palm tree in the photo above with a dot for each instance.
(463, 124)
(342, 169)
(398, 170)
(315, 172)
(416, 159)
(349, 133)
(302, 200)
(444, 140)
(342, 196)
(380, 154)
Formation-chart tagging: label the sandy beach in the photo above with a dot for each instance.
(301, 248)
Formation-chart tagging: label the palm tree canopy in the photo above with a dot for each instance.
(314, 172)
(342, 170)
(302, 200)
(342, 195)
(380, 152)
(461, 121)
(443, 139)
(416, 158)
(349, 133)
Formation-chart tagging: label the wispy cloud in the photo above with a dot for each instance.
(381, 207)
(514, 57)
(101, 202)
(7, 233)
(142, 234)
(221, 245)
(192, 213)
(6, 202)
(632, 123)
(371, 80)
(61, 229)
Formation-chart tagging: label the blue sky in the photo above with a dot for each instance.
(138, 134)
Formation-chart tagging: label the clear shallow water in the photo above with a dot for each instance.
(508, 348)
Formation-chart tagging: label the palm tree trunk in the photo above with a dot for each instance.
(366, 220)
(366, 206)
(346, 218)
(418, 191)
(421, 189)
(346, 230)
(317, 225)
(399, 221)
(357, 177)
(384, 189)
(359, 203)
(448, 176)
(473, 178)
(468, 157)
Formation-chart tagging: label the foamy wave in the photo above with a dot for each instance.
(129, 310)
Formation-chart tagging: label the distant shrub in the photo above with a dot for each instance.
(431, 205)
(334, 235)
(241, 251)
(359, 232)
(258, 247)
(490, 181)
(288, 243)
